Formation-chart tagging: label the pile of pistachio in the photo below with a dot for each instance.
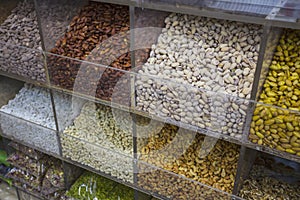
(277, 127)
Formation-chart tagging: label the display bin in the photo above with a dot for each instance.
(270, 172)
(21, 26)
(211, 112)
(195, 156)
(104, 126)
(274, 118)
(92, 186)
(22, 63)
(44, 177)
(275, 130)
(108, 85)
(195, 75)
(98, 34)
(95, 157)
(29, 118)
(168, 185)
(99, 186)
(29, 133)
(21, 53)
(55, 17)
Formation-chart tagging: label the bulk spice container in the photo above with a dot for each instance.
(173, 98)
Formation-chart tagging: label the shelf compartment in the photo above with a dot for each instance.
(183, 104)
(29, 133)
(271, 172)
(32, 111)
(173, 186)
(87, 182)
(23, 63)
(21, 49)
(99, 158)
(107, 45)
(54, 18)
(195, 156)
(90, 185)
(46, 181)
(276, 128)
(105, 126)
(90, 80)
(278, 96)
(191, 58)
(21, 27)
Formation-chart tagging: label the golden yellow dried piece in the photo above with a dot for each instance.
(274, 127)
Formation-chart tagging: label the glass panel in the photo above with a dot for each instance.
(8, 89)
(262, 9)
(55, 16)
(105, 126)
(290, 11)
(98, 158)
(276, 128)
(272, 41)
(26, 196)
(268, 173)
(172, 186)
(67, 108)
(201, 158)
(22, 62)
(29, 118)
(90, 80)
(275, 122)
(21, 26)
(33, 104)
(146, 32)
(29, 133)
(186, 105)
